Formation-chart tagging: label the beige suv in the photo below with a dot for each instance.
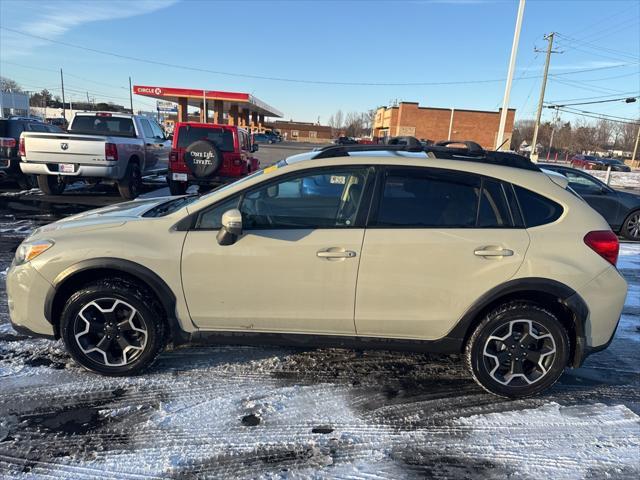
(436, 249)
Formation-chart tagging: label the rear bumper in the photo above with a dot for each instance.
(114, 171)
(604, 296)
(217, 179)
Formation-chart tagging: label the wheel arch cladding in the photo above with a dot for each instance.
(93, 269)
(559, 299)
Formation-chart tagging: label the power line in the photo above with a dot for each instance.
(599, 116)
(595, 46)
(591, 98)
(598, 101)
(283, 79)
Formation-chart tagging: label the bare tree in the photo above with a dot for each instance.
(9, 85)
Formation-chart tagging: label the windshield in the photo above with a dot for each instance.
(103, 125)
(222, 138)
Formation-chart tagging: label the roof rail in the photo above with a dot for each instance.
(472, 152)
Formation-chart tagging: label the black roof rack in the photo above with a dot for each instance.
(471, 152)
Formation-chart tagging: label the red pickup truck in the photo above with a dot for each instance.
(209, 155)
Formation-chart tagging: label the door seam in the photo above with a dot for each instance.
(355, 291)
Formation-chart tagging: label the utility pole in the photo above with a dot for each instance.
(534, 153)
(553, 128)
(507, 90)
(130, 96)
(635, 148)
(64, 112)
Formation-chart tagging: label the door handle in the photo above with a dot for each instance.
(493, 252)
(336, 253)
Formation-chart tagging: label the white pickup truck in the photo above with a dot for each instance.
(116, 147)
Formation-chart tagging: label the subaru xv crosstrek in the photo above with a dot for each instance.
(431, 249)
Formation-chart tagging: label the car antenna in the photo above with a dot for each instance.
(502, 144)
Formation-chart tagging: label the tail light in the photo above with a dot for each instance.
(21, 150)
(110, 152)
(604, 243)
(7, 142)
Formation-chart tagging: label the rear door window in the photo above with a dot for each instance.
(419, 198)
(536, 209)
(146, 128)
(493, 211)
(221, 137)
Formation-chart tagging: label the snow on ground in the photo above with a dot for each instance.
(244, 412)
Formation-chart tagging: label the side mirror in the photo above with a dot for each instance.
(231, 227)
(254, 147)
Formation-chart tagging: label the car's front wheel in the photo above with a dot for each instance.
(113, 327)
(631, 226)
(518, 350)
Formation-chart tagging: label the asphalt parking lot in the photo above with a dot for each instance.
(269, 412)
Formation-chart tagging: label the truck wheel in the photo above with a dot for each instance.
(178, 188)
(51, 184)
(518, 350)
(113, 327)
(27, 182)
(129, 186)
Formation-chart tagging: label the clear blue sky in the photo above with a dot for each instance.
(343, 41)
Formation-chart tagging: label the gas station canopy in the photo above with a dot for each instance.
(227, 101)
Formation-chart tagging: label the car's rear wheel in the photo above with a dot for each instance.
(113, 327)
(518, 350)
(177, 188)
(631, 226)
(51, 184)
(129, 186)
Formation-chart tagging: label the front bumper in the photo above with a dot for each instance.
(26, 293)
(114, 172)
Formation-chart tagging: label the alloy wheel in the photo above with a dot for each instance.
(519, 353)
(633, 226)
(110, 332)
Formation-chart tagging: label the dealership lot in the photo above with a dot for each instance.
(278, 412)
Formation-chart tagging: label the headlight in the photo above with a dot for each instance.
(27, 251)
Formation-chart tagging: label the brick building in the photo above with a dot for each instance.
(436, 124)
(303, 131)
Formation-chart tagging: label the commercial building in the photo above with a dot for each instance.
(303, 131)
(429, 123)
(14, 103)
(230, 108)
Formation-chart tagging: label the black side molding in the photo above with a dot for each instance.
(568, 300)
(144, 274)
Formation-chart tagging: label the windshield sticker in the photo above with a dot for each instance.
(338, 179)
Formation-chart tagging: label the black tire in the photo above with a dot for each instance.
(499, 374)
(631, 226)
(177, 188)
(129, 186)
(120, 294)
(27, 182)
(51, 184)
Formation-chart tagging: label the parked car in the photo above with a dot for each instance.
(620, 209)
(263, 138)
(207, 154)
(586, 162)
(488, 256)
(117, 147)
(60, 122)
(275, 135)
(615, 164)
(10, 130)
(345, 141)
